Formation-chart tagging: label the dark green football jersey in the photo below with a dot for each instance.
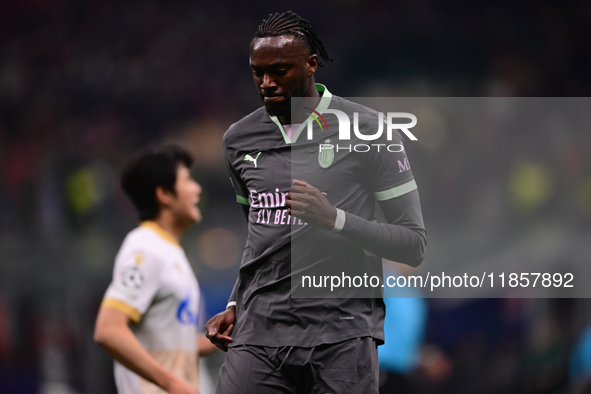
(280, 249)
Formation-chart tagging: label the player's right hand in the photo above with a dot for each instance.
(219, 328)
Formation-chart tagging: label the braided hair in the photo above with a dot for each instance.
(291, 24)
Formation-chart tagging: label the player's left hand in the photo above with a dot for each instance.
(307, 203)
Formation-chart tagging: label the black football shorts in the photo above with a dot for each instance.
(348, 367)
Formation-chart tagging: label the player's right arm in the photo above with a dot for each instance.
(220, 327)
(112, 332)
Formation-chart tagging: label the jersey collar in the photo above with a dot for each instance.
(160, 231)
(322, 105)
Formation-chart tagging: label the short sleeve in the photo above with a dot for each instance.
(239, 187)
(387, 167)
(231, 159)
(136, 280)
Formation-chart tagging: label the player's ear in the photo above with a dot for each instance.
(163, 197)
(312, 64)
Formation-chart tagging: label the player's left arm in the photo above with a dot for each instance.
(403, 238)
(388, 175)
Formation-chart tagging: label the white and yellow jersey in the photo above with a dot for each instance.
(155, 286)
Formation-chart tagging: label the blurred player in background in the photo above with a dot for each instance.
(404, 329)
(280, 344)
(147, 320)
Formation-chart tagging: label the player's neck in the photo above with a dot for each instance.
(171, 226)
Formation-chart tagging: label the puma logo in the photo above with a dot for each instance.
(253, 159)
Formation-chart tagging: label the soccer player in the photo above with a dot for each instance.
(147, 320)
(277, 343)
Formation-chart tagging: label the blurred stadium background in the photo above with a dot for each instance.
(85, 84)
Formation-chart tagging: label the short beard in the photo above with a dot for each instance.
(284, 109)
(279, 109)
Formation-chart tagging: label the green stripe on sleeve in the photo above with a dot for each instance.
(396, 191)
(242, 200)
